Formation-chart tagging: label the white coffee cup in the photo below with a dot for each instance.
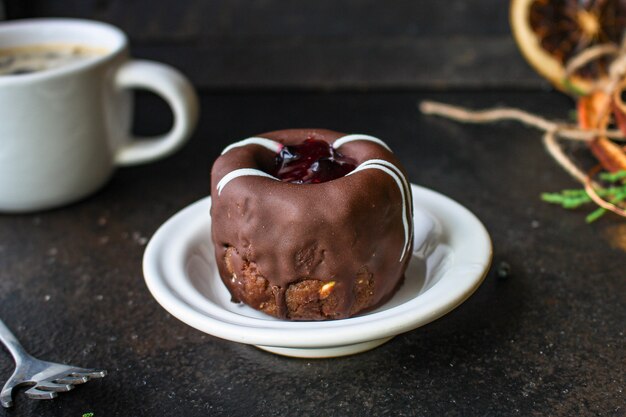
(64, 130)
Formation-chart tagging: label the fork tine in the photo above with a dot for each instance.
(53, 386)
(90, 373)
(50, 378)
(72, 380)
(5, 397)
(37, 394)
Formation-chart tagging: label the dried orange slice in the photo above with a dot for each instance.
(550, 32)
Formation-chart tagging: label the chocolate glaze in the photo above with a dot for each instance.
(338, 231)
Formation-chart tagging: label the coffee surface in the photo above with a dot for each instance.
(42, 57)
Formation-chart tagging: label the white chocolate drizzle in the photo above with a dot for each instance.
(272, 145)
(405, 192)
(405, 182)
(243, 172)
(351, 138)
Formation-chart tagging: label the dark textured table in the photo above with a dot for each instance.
(548, 340)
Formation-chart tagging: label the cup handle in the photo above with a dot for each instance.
(177, 91)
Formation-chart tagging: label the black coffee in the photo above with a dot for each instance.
(35, 58)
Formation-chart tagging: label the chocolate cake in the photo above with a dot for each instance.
(311, 224)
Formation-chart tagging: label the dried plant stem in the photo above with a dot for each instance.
(566, 131)
(551, 129)
(588, 55)
(612, 86)
(553, 148)
(590, 188)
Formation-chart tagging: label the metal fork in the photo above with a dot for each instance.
(47, 378)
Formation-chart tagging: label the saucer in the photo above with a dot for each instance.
(451, 257)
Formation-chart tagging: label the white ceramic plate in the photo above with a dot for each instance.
(451, 257)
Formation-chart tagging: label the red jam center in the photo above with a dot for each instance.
(312, 162)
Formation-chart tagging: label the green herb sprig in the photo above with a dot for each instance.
(570, 87)
(572, 199)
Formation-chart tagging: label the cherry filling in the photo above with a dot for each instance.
(312, 162)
